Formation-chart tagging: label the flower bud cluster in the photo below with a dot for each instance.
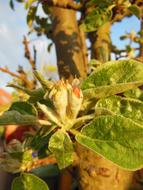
(67, 100)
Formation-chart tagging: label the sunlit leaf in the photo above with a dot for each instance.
(46, 84)
(130, 108)
(134, 93)
(28, 181)
(16, 118)
(116, 138)
(61, 146)
(24, 108)
(95, 19)
(112, 78)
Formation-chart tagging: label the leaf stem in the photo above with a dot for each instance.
(84, 118)
(74, 132)
(44, 122)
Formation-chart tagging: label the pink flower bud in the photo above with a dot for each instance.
(75, 98)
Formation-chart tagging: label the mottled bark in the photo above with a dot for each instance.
(70, 58)
(100, 43)
(98, 173)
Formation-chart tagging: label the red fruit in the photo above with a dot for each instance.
(15, 132)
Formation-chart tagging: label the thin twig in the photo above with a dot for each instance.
(20, 76)
(32, 61)
(6, 70)
(50, 160)
(28, 54)
(42, 162)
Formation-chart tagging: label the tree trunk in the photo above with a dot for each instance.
(100, 43)
(71, 60)
(97, 173)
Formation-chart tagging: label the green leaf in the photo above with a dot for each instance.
(95, 19)
(16, 159)
(46, 8)
(49, 113)
(114, 72)
(31, 15)
(134, 93)
(46, 84)
(36, 95)
(16, 118)
(29, 3)
(50, 47)
(23, 89)
(130, 108)
(61, 146)
(24, 108)
(20, 1)
(112, 78)
(42, 137)
(28, 181)
(116, 138)
(11, 4)
(135, 10)
(109, 90)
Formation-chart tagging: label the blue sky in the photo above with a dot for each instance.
(13, 27)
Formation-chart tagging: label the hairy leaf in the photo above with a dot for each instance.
(36, 95)
(28, 181)
(95, 19)
(112, 78)
(16, 118)
(116, 138)
(42, 137)
(109, 90)
(130, 108)
(134, 93)
(61, 146)
(24, 108)
(46, 84)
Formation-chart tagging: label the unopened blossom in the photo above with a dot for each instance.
(59, 97)
(75, 98)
